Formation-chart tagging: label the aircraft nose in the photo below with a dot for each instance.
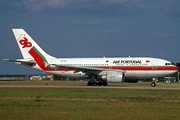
(177, 68)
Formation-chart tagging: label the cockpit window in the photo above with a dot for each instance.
(169, 63)
(172, 63)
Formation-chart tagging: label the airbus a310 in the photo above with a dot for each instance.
(100, 71)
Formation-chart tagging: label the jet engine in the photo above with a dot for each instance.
(113, 76)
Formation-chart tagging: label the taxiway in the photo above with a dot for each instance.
(93, 87)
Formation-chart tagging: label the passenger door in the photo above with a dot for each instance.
(154, 65)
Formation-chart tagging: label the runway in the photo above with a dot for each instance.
(83, 86)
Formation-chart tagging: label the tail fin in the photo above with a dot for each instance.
(27, 45)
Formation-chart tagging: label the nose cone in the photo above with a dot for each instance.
(176, 68)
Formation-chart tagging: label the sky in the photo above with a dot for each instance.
(91, 28)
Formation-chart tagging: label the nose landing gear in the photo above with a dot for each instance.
(153, 84)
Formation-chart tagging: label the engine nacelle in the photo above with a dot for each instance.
(114, 76)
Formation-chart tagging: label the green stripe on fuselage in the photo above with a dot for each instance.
(44, 59)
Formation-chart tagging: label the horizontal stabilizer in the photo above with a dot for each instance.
(26, 62)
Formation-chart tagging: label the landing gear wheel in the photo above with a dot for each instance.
(99, 83)
(89, 83)
(95, 83)
(153, 84)
(105, 83)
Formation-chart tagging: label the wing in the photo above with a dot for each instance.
(83, 68)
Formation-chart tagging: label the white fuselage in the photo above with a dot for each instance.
(105, 68)
(134, 67)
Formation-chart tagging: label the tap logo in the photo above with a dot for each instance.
(25, 43)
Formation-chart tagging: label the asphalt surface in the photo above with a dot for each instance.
(93, 87)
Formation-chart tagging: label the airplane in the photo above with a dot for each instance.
(99, 71)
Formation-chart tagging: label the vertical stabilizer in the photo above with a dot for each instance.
(27, 45)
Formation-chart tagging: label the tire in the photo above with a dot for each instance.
(153, 84)
(99, 83)
(95, 83)
(105, 83)
(89, 83)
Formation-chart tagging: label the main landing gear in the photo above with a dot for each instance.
(92, 82)
(100, 83)
(153, 84)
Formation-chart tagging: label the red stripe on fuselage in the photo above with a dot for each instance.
(169, 68)
(39, 60)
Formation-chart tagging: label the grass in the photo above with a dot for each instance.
(87, 104)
